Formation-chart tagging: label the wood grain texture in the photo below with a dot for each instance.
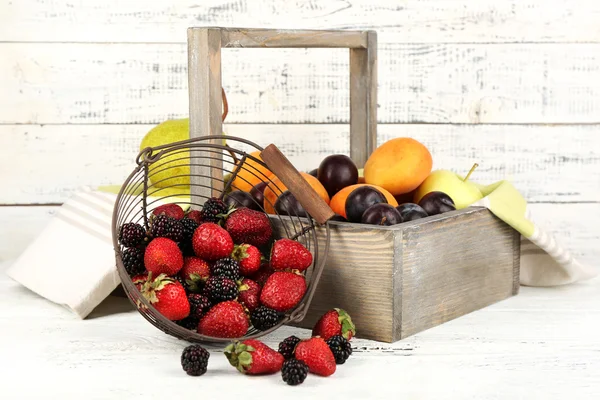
(205, 108)
(363, 101)
(441, 83)
(457, 263)
(546, 163)
(411, 21)
(273, 38)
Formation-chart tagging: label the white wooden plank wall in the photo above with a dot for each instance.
(510, 84)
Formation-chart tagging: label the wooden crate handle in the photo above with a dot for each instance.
(296, 184)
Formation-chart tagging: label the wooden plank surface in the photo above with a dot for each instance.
(545, 341)
(459, 264)
(437, 83)
(411, 21)
(288, 38)
(546, 163)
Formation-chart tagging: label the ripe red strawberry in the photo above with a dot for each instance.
(253, 357)
(249, 292)
(315, 352)
(195, 272)
(263, 274)
(211, 242)
(283, 291)
(171, 210)
(335, 322)
(248, 257)
(224, 320)
(163, 256)
(195, 215)
(167, 296)
(249, 226)
(139, 279)
(290, 254)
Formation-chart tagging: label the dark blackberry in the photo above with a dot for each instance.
(168, 227)
(263, 318)
(133, 260)
(294, 372)
(131, 234)
(219, 288)
(213, 207)
(340, 347)
(199, 305)
(227, 267)
(194, 360)
(288, 346)
(190, 323)
(180, 279)
(189, 227)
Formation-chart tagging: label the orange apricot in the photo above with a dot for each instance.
(338, 201)
(275, 188)
(251, 174)
(399, 165)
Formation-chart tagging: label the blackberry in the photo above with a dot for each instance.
(181, 280)
(227, 267)
(194, 360)
(263, 318)
(212, 208)
(199, 305)
(131, 234)
(189, 227)
(294, 372)
(190, 323)
(219, 288)
(133, 260)
(340, 347)
(168, 227)
(288, 346)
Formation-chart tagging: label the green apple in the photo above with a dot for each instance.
(462, 191)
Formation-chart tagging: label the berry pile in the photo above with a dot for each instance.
(217, 271)
(328, 347)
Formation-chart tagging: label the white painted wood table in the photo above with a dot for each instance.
(542, 344)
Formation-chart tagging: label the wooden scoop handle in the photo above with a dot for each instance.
(296, 184)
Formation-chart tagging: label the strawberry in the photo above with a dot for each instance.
(139, 280)
(249, 226)
(335, 322)
(249, 292)
(171, 210)
(224, 320)
(167, 296)
(196, 216)
(253, 357)
(211, 242)
(290, 254)
(195, 272)
(315, 352)
(163, 256)
(263, 274)
(249, 258)
(283, 291)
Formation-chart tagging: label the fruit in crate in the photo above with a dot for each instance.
(381, 214)
(411, 211)
(436, 203)
(317, 355)
(359, 200)
(287, 254)
(338, 202)
(253, 357)
(335, 322)
(336, 172)
(275, 188)
(287, 204)
(237, 199)
(251, 173)
(249, 227)
(258, 193)
(463, 192)
(399, 165)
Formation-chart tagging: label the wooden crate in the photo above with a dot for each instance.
(394, 281)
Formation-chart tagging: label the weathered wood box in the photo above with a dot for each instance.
(394, 281)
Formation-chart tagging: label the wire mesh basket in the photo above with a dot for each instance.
(190, 172)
